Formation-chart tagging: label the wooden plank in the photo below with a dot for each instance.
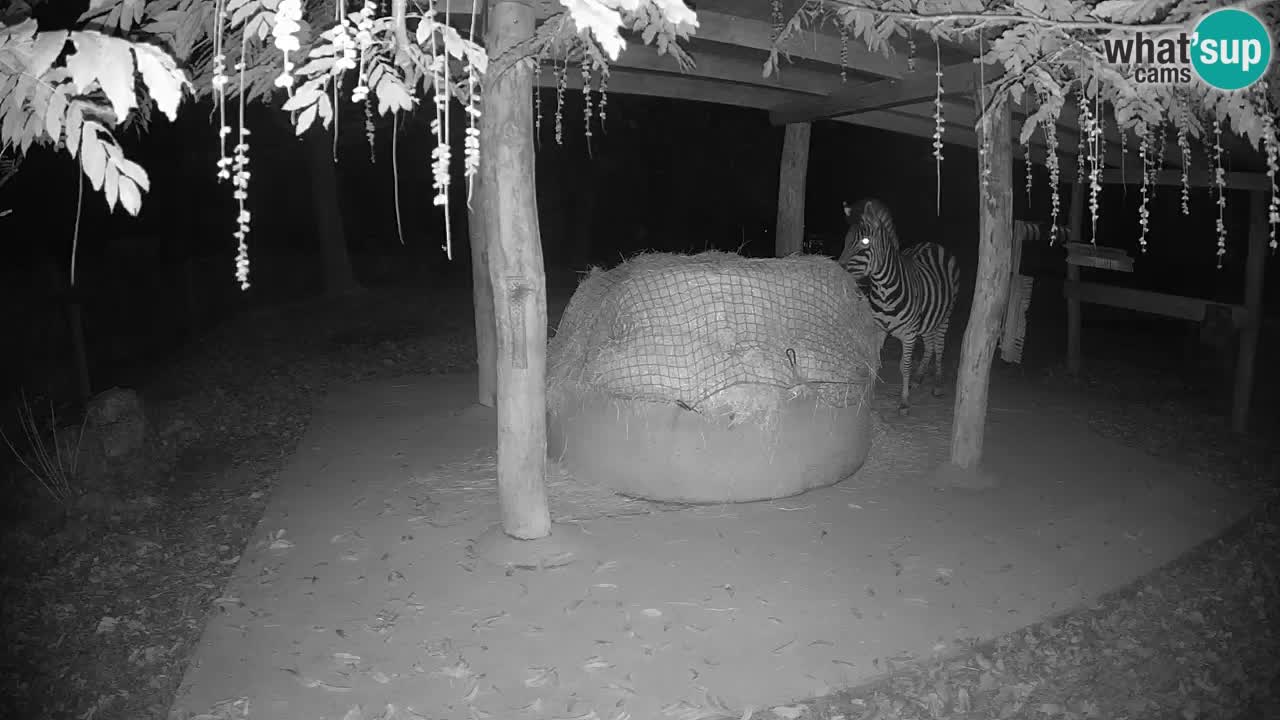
(815, 46)
(714, 62)
(1147, 301)
(1254, 274)
(689, 87)
(1075, 231)
(517, 274)
(995, 250)
(958, 80)
(792, 176)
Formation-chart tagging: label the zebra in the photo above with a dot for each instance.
(912, 292)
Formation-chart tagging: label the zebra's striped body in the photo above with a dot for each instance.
(912, 292)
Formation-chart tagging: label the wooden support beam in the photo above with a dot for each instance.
(958, 80)
(995, 248)
(1254, 274)
(689, 87)
(1147, 301)
(719, 63)
(516, 273)
(792, 177)
(1075, 233)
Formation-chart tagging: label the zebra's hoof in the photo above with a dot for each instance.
(904, 410)
(939, 392)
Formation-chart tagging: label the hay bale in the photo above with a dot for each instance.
(713, 377)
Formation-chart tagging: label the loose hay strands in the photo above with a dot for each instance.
(53, 465)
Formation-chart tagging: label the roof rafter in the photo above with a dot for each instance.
(958, 80)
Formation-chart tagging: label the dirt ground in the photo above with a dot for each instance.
(308, 555)
(359, 590)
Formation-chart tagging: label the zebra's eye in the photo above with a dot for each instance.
(866, 241)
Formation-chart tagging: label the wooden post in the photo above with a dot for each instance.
(791, 185)
(995, 248)
(1075, 232)
(516, 272)
(482, 299)
(1253, 282)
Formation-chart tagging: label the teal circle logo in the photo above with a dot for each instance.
(1231, 48)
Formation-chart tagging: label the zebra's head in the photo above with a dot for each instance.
(871, 238)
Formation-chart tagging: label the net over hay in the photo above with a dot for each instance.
(713, 377)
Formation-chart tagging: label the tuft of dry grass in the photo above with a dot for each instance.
(51, 460)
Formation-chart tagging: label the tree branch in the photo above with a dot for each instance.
(1035, 20)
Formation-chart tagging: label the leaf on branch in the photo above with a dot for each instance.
(392, 94)
(308, 93)
(123, 14)
(162, 77)
(115, 74)
(93, 156)
(261, 24)
(1130, 12)
(55, 112)
(45, 50)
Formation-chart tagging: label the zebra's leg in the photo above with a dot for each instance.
(904, 367)
(937, 343)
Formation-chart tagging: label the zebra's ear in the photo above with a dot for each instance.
(848, 210)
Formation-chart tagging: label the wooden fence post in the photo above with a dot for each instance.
(792, 177)
(1254, 274)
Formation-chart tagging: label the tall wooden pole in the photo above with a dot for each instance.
(995, 249)
(482, 299)
(516, 272)
(1254, 275)
(791, 188)
(1075, 233)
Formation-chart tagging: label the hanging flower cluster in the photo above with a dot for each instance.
(562, 85)
(1184, 149)
(586, 101)
(1051, 161)
(604, 95)
(844, 52)
(1091, 138)
(288, 23)
(1144, 149)
(1273, 169)
(1220, 181)
(938, 126)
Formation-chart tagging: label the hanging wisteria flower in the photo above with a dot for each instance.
(1051, 160)
(938, 126)
(586, 99)
(1184, 149)
(288, 23)
(1220, 180)
(1272, 145)
(1144, 150)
